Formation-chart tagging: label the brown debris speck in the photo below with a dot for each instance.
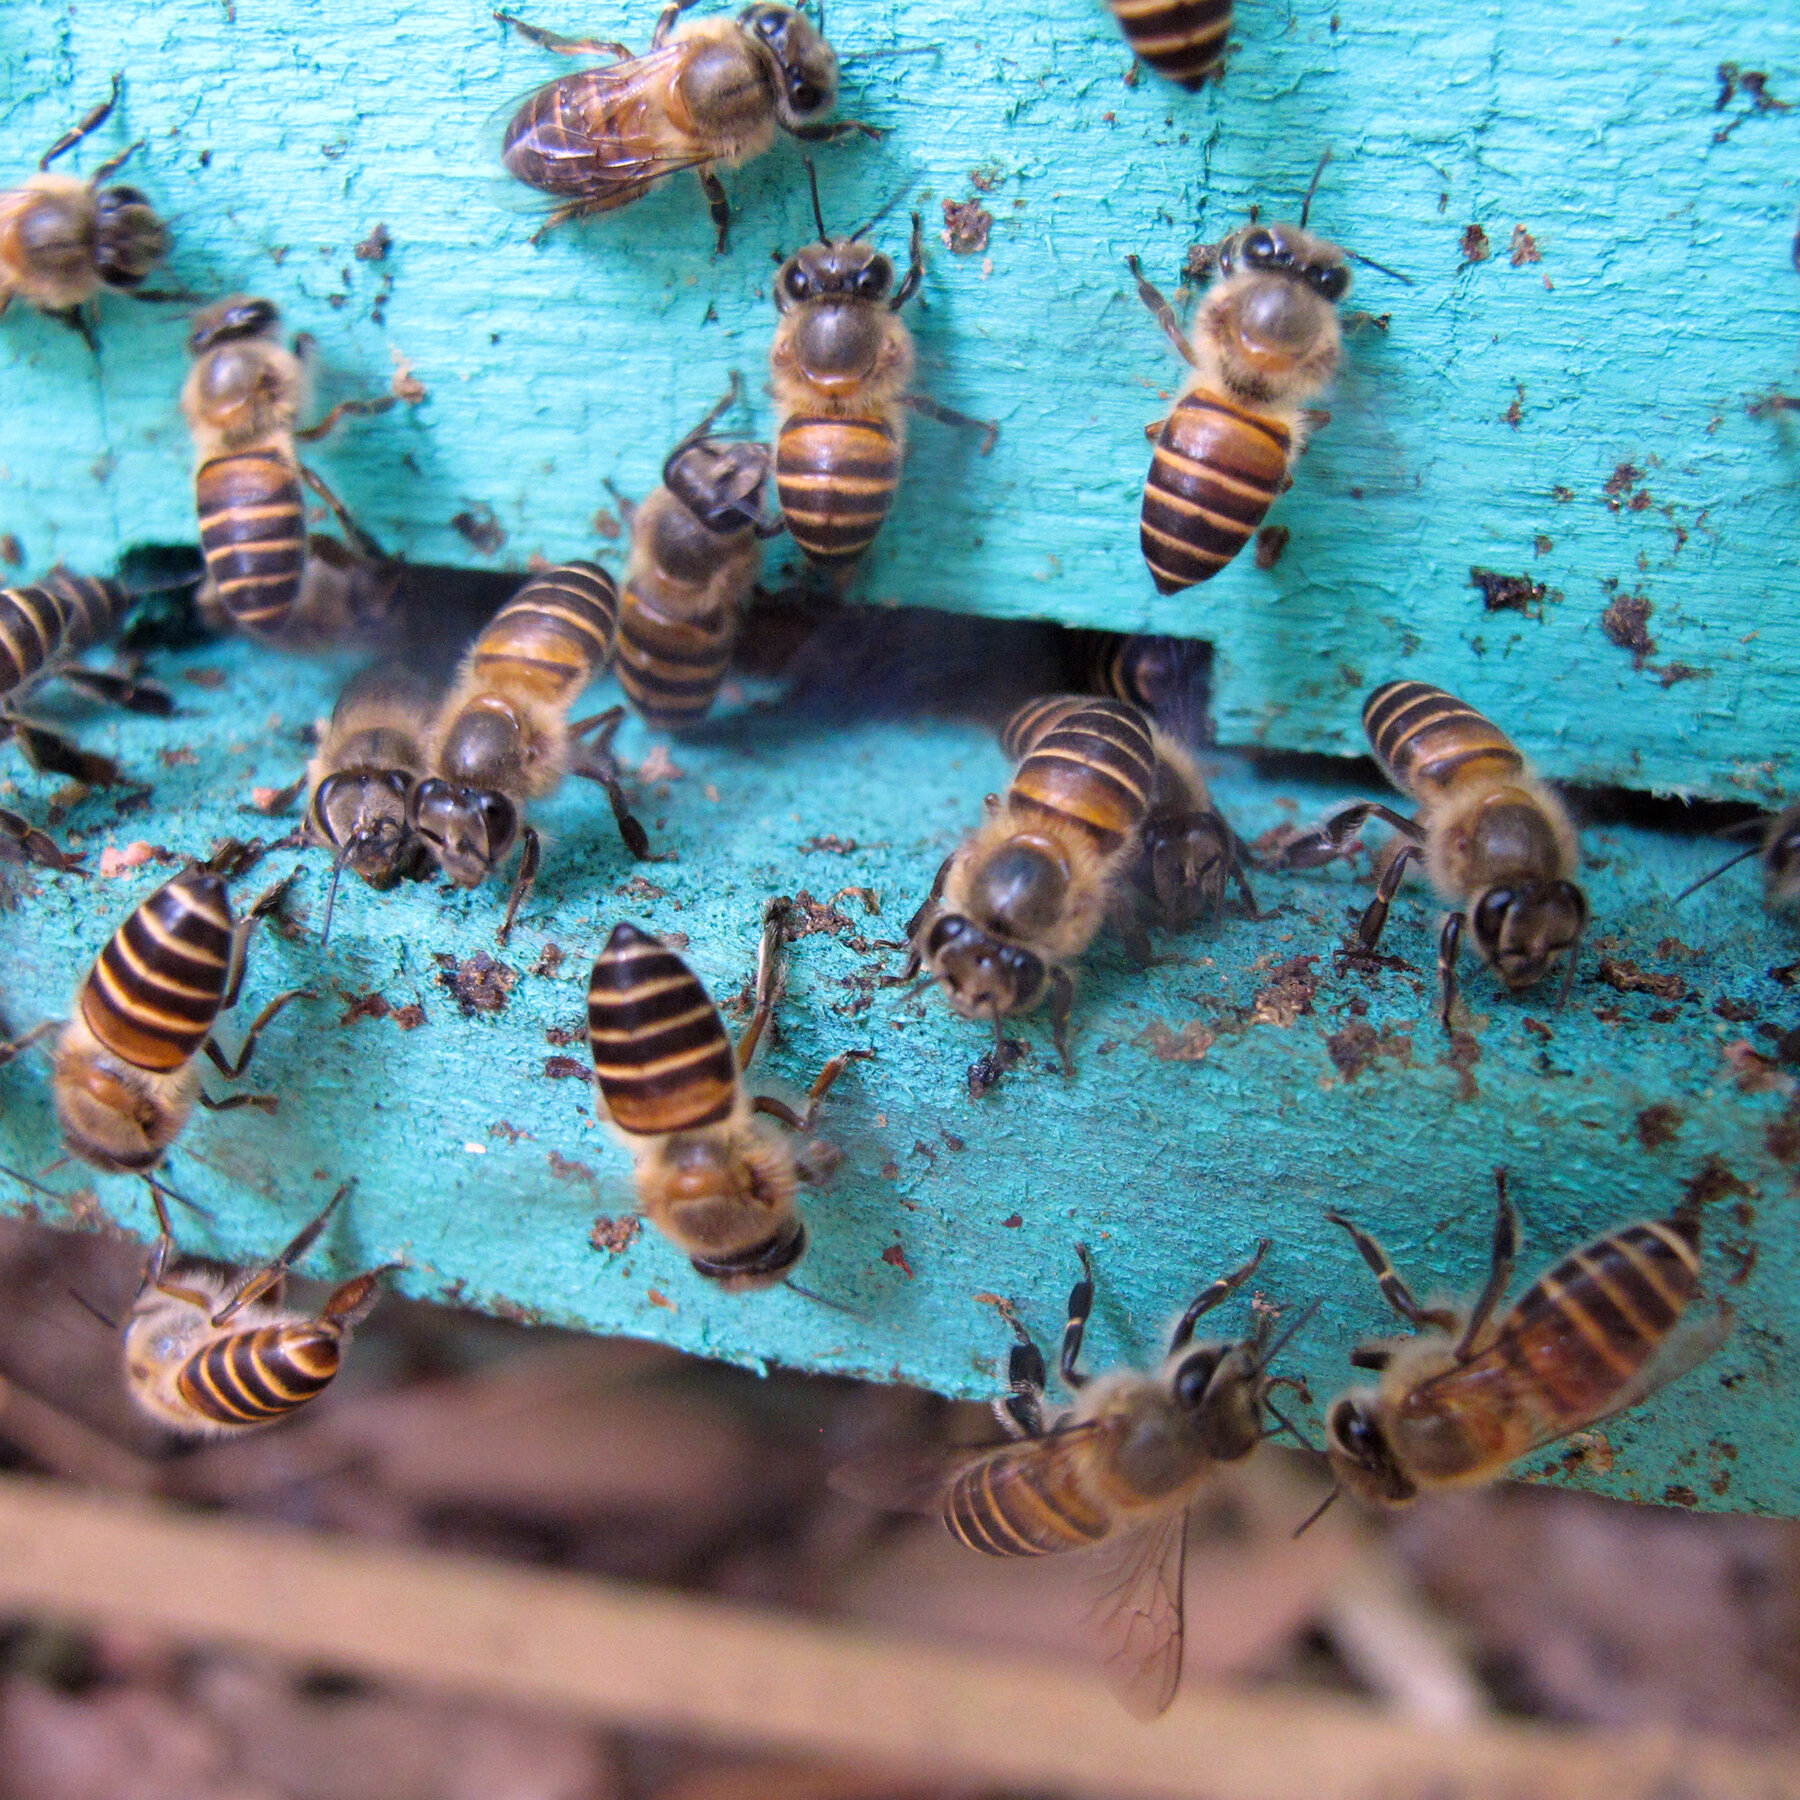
(1475, 245)
(1622, 480)
(895, 1257)
(1711, 1183)
(807, 915)
(615, 1236)
(1621, 973)
(1524, 247)
(985, 179)
(871, 901)
(638, 888)
(12, 552)
(1011, 1224)
(1462, 1056)
(1782, 1138)
(658, 1298)
(405, 386)
(375, 246)
(607, 526)
(1626, 622)
(966, 227)
(479, 985)
(828, 845)
(177, 756)
(565, 1068)
(480, 529)
(1515, 410)
(1734, 1012)
(1511, 593)
(1271, 541)
(561, 1035)
(1753, 1072)
(1680, 1495)
(564, 1170)
(204, 678)
(985, 1071)
(1359, 1044)
(550, 959)
(1190, 1045)
(1290, 993)
(1657, 1125)
(1670, 673)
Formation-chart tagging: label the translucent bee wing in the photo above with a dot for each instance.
(900, 1480)
(1138, 1614)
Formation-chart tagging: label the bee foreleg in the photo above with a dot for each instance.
(268, 1279)
(948, 415)
(1449, 942)
(1337, 836)
(53, 754)
(769, 973)
(1393, 1288)
(360, 541)
(915, 267)
(1500, 1269)
(232, 1070)
(18, 1047)
(114, 164)
(1215, 1294)
(830, 132)
(1081, 1305)
(1375, 914)
(603, 770)
(529, 858)
(564, 46)
(627, 508)
(345, 409)
(90, 122)
(77, 321)
(124, 691)
(1062, 1004)
(1162, 311)
(718, 206)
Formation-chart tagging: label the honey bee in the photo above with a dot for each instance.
(1183, 40)
(1113, 1474)
(1778, 845)
(841, 366)
(211, 1355)
(1469, 1394)
(63, 239)
(1186, 854)
(126, 1065)
(711, 1176)
(1027, 892)
(694, 554)
(709, 94)
(1496, 842)
(264, 575)
(1164, 676)
(503, 739)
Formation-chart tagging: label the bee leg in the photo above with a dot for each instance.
(768, 978)
(267, 902)
(1393, 1289)
(719, 408)
(1081, 1305)
(832, 131)
(803, 1121)
(113, 164)
(1337, 836)
(18, 1047)
(1368, 1356)
(948, 415)
(1162, 311)
(124, 691)
(1242, 880)
(1154, 429)
(1500, 1269)
(268, 1280)
(915, 267)
(22, 842)
(1214, 1295)
(232, 1070)
(529, 859)
(78, 322)
(1449, 942)
(1021, 1411)
(50, 753)
(360, 541)
(282, 798)
(564, 46)
(90, 122)
(562, 215)
(718, 206)
(627, 508)
(1375, 914)
(602, 769)
(665, 22)
(1062, 1004)
(345, 409)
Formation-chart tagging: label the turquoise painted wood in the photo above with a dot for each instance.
(1591, 419)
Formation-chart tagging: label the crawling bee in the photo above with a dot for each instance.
(1778, 846)
(1114, 1474)
(264, 575)
(840, 367)
(1167, 678)
(709, 94)
(503, 739)
(1026, 893)
(712, 1178)
(1470, 1394)
(209, 1355)
(1496, 842)
(62, 239)
(694, 554)
(1183, 40)
(1186, 854)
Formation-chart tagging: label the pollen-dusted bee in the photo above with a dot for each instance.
(710, 1175)
(840, 369)
(211, 1355)
(1470, 1393)
(127, 1064)
(709, 94)
(1026, 892)
(63, 239)
(1181, 39)
(264, 575)
(503, 739)
(694, 555)
(1778, 845)
(1115, 1473)
(1497, 844)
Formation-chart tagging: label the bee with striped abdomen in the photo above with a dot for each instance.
(1183, 40)
(841, 367)
(709, 94)
(1497, 844)
(694, 556)
(1778, 846)
(264, 575)
(710, 1175)
(126, 1065)
(1026, 892)
(62, 240)
(503, 739)
(1167, 677)
(1469, 1394)
(210, 1354)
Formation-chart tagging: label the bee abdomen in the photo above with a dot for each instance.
(248, 1377)
(836, 479)
(1425, 738)
(1216, 471)
(661, 1057)
(253, 534)
(671, 668)
(155, 990)
(1182, 39)
(556, 632)
(1090, 764)
(34, 628)
(555, 145)
(1024, 1501)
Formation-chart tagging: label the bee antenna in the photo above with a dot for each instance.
(887, 207)
(359, 836)
(1313, 186)
(1318, 1512)
(36, 1186)
(87, 1305)
(813, 1294)
(1369, 262)
(157, 1187)
(1283, 1423)
(1694, 887)
(1281, 1343)
(812, 181)
(915, 987)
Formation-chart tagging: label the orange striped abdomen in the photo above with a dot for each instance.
(1026, 1499)
(1427, 741)
(662, 1060)
(562, 142)
(34, 624)
(670, 666)
(155, 990)
(1216, 470)
(553, 636)
(1089, 763)
(250, 1377)
(1181, 39)
(835, 479)
(253, 533)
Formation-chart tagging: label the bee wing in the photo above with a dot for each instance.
(1138, 1613)
(900, 1480)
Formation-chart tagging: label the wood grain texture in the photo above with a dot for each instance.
(1589, 419)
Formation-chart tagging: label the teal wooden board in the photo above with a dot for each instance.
(1171, 1152)
(1591, 419)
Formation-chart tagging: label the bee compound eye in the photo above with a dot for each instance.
(1331, 282)
(1259, 249)
(797, 283)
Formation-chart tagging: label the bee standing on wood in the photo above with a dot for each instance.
(1183, 40)
(840, 368)
(1497, 844)
(694, 554)
(1469, 1394)
(63, 239)
(711, 1176)
(210, 1355)
(710, 93)
(1186, 854)
(263, 573)
(502, 738)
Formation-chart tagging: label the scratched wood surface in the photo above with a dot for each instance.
(1598, 227)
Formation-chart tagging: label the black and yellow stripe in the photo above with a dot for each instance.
(554, 635)
(1216, 470)
(670, 667)
(1427, 741)
(662, 1059)
(155, 990)
(52, 619)
(1023, 1500)
(1181, 39)
(253, 534)
(249, 1377)
(1086, 762)
(835, 479)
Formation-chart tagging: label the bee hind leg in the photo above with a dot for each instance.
(559, 45)
(719, 207)
(1500, 1268)
(232, 1070)
(948, 415)
(665, 22)
(1081, 1306)
(22, 842)
(1020, 1410)
(600, 768)
(1214, 1294)
(1393, 1287)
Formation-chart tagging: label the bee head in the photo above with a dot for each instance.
(363, 813)
(1362, 1458)
(983, 976)
(806, 67)
(1284, 287)
(1218, 1389)
(129, 238)
(468, 829)
(720, 481)
(1781, 863)
(233, 320)
(838, 270)
(1522, 928)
